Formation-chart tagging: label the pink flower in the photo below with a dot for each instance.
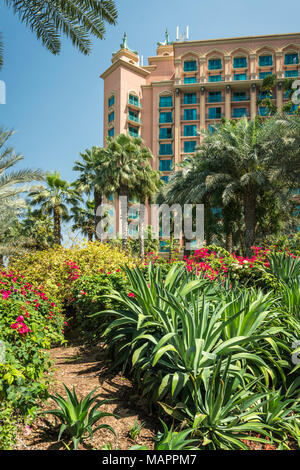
(131, 294)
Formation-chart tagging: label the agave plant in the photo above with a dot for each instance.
(172, 440)
(228, 413)
(172, 335)
(77, 416)
(284, 266)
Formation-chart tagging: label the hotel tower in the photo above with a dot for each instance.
(192, 85)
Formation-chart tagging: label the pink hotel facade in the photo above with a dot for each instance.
(192, 85)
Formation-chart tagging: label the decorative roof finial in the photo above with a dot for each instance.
(124, 44)
(167, 40)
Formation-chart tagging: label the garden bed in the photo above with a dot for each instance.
(87, 368)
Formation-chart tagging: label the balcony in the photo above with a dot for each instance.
(135, 119)
(215, 99)
(190, 101)
(216, 78)
(134, 101)
(241, 97)
(195, 117)
(215, 116)
(238, 115)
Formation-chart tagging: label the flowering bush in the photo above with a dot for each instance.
(29, 323)
(55, 270)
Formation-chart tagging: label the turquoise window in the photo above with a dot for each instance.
(190, 98)
(165, 101)
(214, 97)
(165, 133)
(110, 197)
(165, 117)
(190, 131)
(214, 113)
(188, 80)
(133, 131)
(164, 178)
(215, 78)
(132, 99)
(190, 66)
(263, 75)
(214, 64)
(111, 117)
(190, 114)
(265, 60)
(291, 73)
(163, 245)
(239, 62)
(239, 96)
(165, 165)
(111, 101)
(165, 149)
(291, 59)
(240, 76)
(111, 132)
(239, 112)
(189, 146)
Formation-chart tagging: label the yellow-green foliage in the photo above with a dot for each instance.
(50, 271)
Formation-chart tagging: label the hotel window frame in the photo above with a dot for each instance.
(190, 61)
(240, 57)
(215, 59)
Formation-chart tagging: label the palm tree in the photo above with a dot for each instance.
(84, 219)
(246, 159)
(77, 19)
(89, 178)
(13, 183)
(146, 188)
(54, 200)
(124, 169)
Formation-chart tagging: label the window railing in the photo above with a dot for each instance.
(239, 114)
(190, 101)
(133, 118)
(216, 78)
(134, 102)
(215, 99)
(245, 97)
(215, 116)
(194, 117)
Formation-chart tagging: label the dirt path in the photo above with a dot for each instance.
(87, 368)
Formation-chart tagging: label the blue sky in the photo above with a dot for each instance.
(55, 102)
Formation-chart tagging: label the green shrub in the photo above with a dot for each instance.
(8, 426)
(90, 295)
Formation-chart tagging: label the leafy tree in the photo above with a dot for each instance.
(243, 162)
(89, 180)
(54, 200)
(124, 169)
(83, 219)
(76, 19)
(13, 183)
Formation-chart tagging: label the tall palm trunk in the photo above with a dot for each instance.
(97, 202)
(229, 242)
(141, 230)
(124, 219)
(57, 226)
(250, 220)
